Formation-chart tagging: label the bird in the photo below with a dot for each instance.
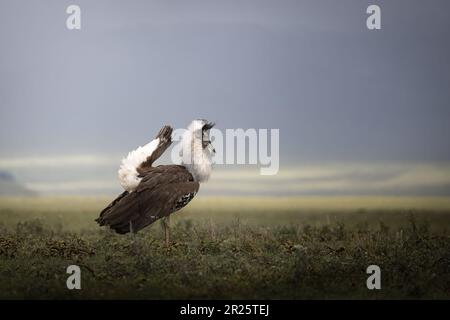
(155, 192)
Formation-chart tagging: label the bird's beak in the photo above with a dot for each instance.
(210, 146)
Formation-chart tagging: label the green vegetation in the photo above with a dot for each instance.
(230, 248)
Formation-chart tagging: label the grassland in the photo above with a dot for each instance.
(280, 248)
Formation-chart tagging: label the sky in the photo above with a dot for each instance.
(349, 102)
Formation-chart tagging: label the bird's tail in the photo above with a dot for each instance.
(124, 214)
(113, 216)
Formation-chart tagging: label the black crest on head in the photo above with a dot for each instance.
(207, 126)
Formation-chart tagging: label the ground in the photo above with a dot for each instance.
(280, 248)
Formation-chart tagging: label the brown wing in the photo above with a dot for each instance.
(163, 190)
(165, 140)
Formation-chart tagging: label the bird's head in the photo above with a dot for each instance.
(197, 149)
(200, 131)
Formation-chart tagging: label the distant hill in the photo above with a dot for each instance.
(10, 187)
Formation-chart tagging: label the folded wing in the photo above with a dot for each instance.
(162, 190)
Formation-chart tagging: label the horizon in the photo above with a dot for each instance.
(97, 175)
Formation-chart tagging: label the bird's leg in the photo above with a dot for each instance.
(167, 229)
(131, 227)
(132, 231)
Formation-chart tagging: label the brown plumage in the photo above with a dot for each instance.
(163, 190)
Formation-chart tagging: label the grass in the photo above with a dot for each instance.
(292, 248)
